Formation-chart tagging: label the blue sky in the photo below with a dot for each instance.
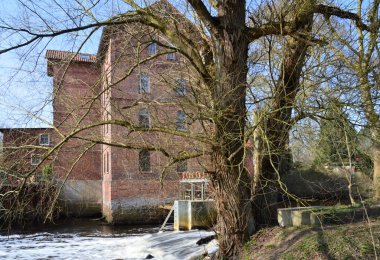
(25, 88)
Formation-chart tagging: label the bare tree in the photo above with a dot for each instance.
(359, 52)
(216, 43)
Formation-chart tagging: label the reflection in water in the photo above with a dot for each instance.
(83, 240)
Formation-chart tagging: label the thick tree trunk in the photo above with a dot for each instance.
(232, 196)
(230, 181)
(376, 173)
(277, 158)
(374, 122)
(376, 162)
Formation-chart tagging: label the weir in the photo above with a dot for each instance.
(194, 209)
(192, 214)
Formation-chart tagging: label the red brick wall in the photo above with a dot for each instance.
(120, 95)
(115, 81)
(18, 147)
(76, 105)
(144, 188)
(162, 104)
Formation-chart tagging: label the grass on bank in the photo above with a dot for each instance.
(359, 240)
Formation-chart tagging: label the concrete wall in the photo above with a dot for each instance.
(82, 197)
(190, 214)
(137, 201)
(135, 211)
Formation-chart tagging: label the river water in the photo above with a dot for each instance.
(83, 239)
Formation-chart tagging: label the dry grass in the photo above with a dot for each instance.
(349, 241)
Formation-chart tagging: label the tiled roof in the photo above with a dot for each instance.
(65, 55)
(2, 130)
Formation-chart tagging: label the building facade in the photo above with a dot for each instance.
(128, 124)
(123, 121)
(23, 150)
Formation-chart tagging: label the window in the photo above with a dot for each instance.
(182, 166)
(35, 159)
(144, 161)
(84, 56)
(106, 162)
(44, 139)
(144, 118)
(144, 86)
(180, 88)
(181, 121)
(152, 49)
(171, 56)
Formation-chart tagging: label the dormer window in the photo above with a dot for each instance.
(44, 139)
(84, 56)
(171, 56)
(180, 88)
(152, 49)
(144, 83)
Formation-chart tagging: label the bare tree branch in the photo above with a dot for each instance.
(205, 16)
(328, 11)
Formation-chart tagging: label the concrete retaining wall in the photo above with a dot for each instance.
(319, 215)
(189, 214)
(134, 211)
(299, 216)
(82, 197)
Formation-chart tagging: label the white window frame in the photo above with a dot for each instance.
(180, 88)
(142, 90)
(181, 124)
(152, 49)
(31, 159)
(144, 115)
(171, 56)
(40, 140)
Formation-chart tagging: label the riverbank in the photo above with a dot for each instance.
(359, 240)
(94, 239)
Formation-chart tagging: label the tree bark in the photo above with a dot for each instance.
(258, 148)
(232, 197)
(376, 161)
(277, 157)
(374, 123)
(230, 181)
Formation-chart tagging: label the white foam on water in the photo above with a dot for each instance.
(165, 245)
